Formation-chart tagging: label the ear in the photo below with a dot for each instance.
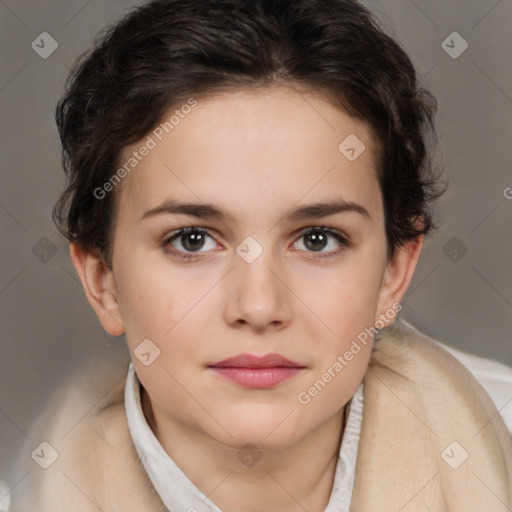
(397, 277)
(98, 283)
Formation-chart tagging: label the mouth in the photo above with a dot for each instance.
(256, 372)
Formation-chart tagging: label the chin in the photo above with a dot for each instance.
(265, 435)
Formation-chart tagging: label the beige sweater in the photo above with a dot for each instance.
(431, 440)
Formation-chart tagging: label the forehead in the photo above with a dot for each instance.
(231, 147)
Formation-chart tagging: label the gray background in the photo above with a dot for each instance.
(461, 293)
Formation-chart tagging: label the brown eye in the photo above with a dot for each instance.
(188, 240)
(192, 241)
(316, 239)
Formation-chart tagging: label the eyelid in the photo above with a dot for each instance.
(177, 233)
(328, 229)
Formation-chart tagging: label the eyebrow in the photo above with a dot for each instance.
(210, 211)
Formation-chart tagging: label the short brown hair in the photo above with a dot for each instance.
(168, 50)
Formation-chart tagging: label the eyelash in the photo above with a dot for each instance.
(165, 244)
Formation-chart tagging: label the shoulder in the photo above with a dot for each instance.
(422, 403)
(494, 377)
(95, 464)
(437, 384)
(487, 378)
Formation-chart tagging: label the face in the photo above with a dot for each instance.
(258, 270)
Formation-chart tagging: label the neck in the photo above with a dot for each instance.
(282, 479)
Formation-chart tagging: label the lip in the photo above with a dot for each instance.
(255, 372)
(249, 361)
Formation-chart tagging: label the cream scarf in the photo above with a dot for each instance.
(431, 440)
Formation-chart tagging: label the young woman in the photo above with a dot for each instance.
(249, 191)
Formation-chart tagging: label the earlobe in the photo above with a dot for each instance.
(398, 275)
(98, 283)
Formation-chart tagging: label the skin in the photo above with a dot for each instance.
(256, 155)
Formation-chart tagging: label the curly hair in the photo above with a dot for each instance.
(166, 51)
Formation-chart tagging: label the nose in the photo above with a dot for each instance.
(258, 298)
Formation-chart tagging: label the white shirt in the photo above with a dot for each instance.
(177, 492)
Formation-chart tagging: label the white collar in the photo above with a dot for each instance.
(178, 493)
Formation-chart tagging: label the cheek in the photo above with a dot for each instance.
(146, 300)
(348, 308)
(161, 304)
(350, 295)
(346, 301)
